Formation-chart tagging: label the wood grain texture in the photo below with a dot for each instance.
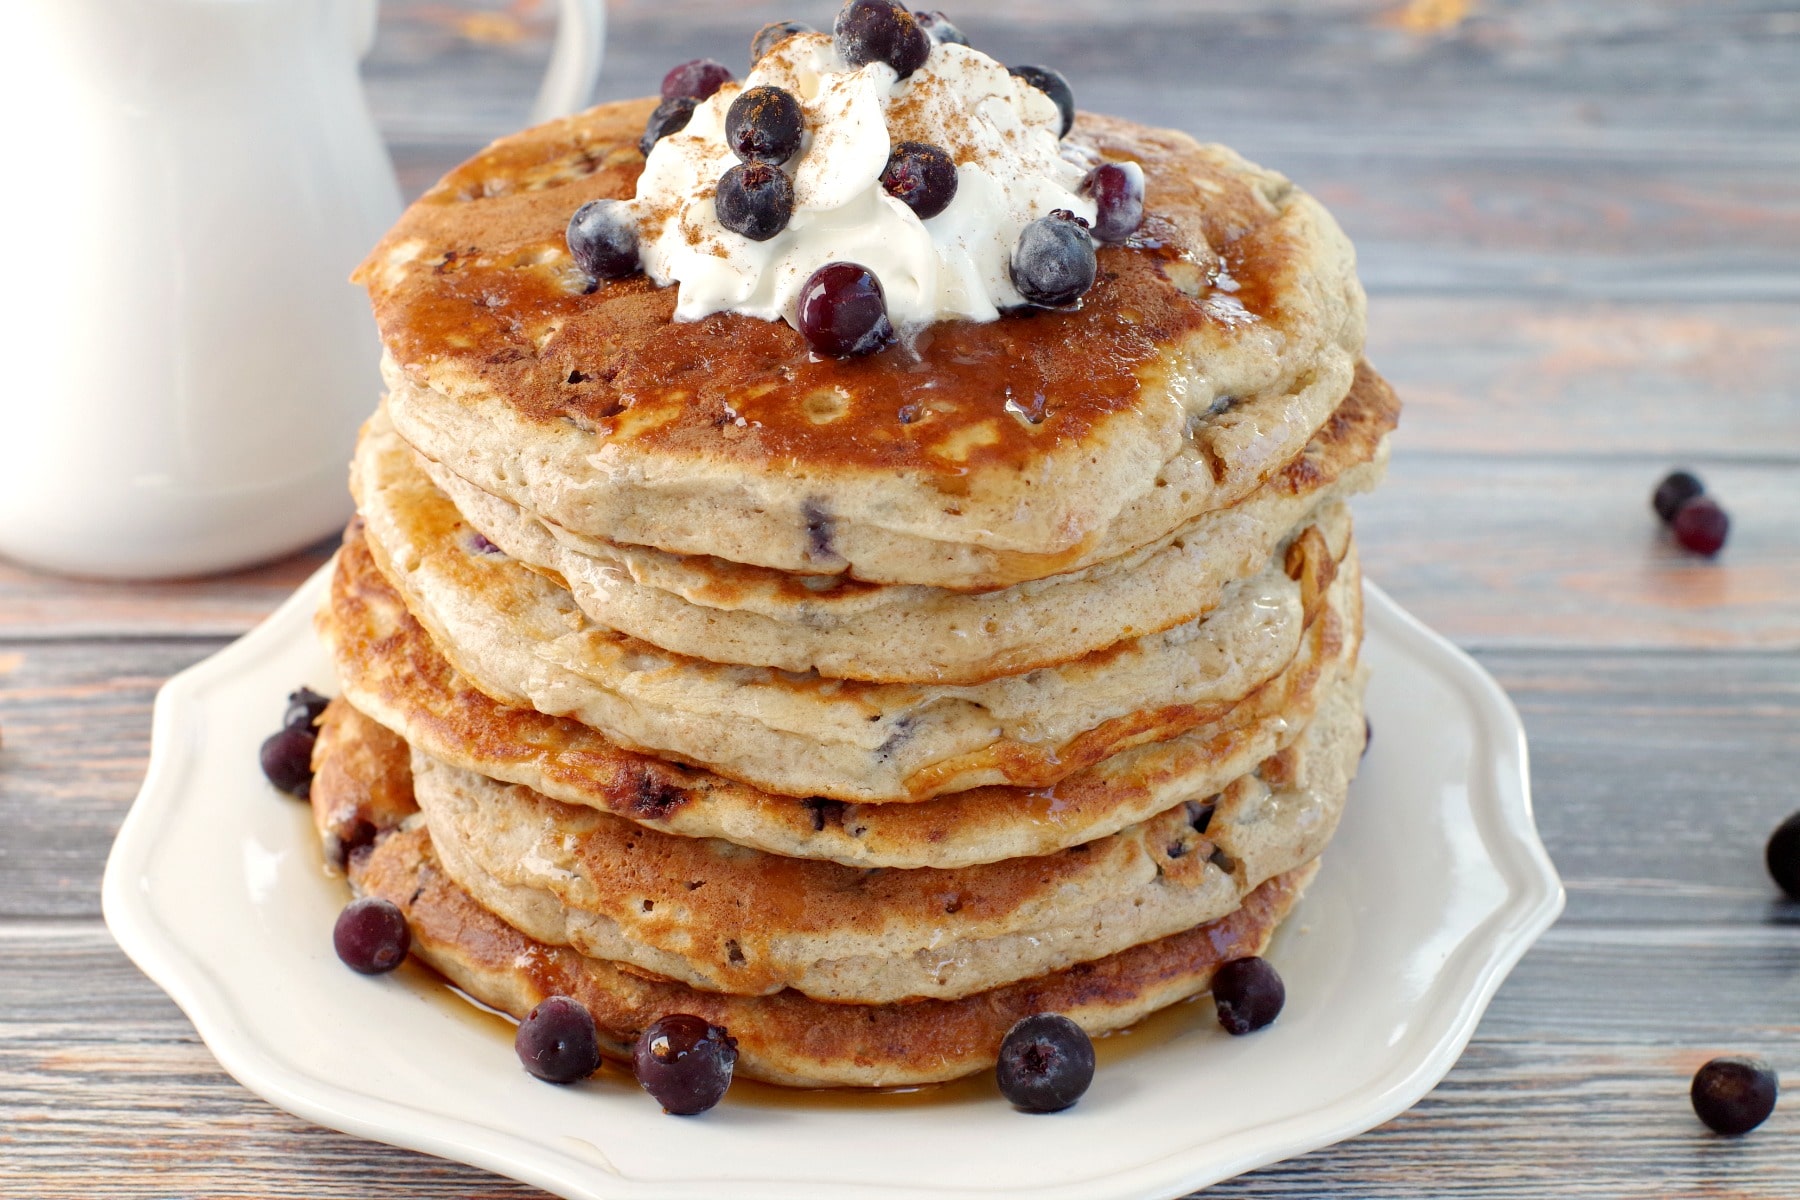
(1577, 1087)
(1579, 226)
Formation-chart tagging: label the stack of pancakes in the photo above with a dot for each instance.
(862, 707)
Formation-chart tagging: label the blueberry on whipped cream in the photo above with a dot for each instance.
(902, 151)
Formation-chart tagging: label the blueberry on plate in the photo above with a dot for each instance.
(1053, 263)
(671, 116)
(754, 199)
(1734, 1095)
(1046, 1063)
(922, 177)
(558, 1042)
(1248, 995)
(1053, 85)
(764, 124)
(371, 936)
(603, 240)
(304, 708)
(286, 757)
(843, 311)
(772, 35)
(881, 31)
(685, 1063)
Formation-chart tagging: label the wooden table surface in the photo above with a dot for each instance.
(1579, 224)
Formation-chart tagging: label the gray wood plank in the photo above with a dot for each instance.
(76, 721)
(1536, 552)
(1578, 149)
(1576, 1086)
(1657, 776)
(39, 606)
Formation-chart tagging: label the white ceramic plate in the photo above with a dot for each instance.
(1433, 888)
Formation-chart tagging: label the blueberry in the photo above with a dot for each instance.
(684, 1063)
(557, 1041)
(764, 124)
(1734, 1095)
(922, 177)
(1053, 85)
(938, 27)
(1046, 1063)
(671, 116)
(304, 708)
(881, 31)
(1701, 526)
(1783, 855)
(1053, 264)
(1117, 190)
(602, 238)
(371, 936)
(287, 759)
(1676, 489)
(754, 199)
(698, 78)
(843, 311)
(772, 35)
(1248, 994)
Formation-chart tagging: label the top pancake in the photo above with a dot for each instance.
(976, 456)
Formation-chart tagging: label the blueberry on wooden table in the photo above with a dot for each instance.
(1248, 995)
(1734, 1095)
(603, 240)
(371, 936)
(772, 35)
(1053, 263)
(1783, 855)
(685, 1063)
(869, 31)
(697, 78)
(1676, 489)
(755, 200)
(1046, 1063)
(1053, 85)
(558, 1041)
(843, 311)
(1701, 526)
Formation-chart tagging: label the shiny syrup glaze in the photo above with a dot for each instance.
(1157, 1033)
(488, 287)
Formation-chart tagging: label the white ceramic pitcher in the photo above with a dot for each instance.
(183, 364)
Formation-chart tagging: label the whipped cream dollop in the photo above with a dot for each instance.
(1001, 132)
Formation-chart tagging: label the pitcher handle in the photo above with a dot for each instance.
(574, 60)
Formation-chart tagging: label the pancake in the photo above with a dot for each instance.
(787, 1038)
(784, 1038)
(390, 669)
(522, 639)
(728, 612)
(1208, 353)
(720, 917)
